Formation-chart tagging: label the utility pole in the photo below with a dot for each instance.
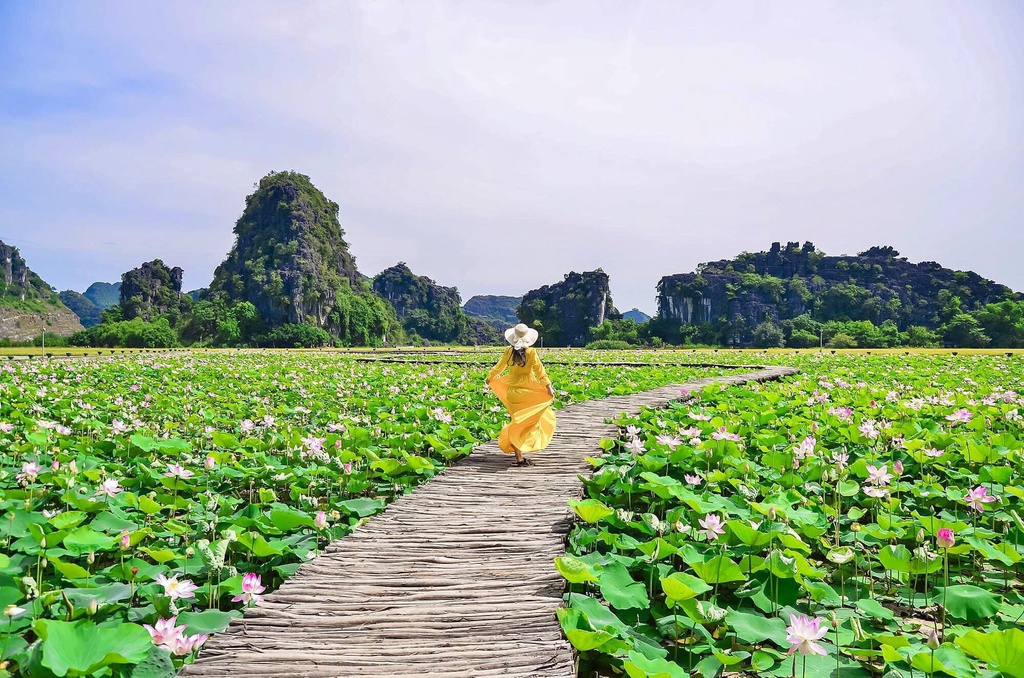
(821, 339)
(43, 350)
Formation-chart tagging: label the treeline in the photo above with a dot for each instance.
(997, 325)
(203, 324)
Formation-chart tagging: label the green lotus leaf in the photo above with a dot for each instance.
(574, 570)
(591, 510)
(1003, 651)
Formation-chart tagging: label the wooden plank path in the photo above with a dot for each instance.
(455, 578)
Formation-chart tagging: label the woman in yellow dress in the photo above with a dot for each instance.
(526, 392)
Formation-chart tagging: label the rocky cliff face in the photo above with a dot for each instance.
(29, 306)
(80, 305)
(428, 310)
(18, 325)
(565, 312)
(785, 282)
(152, 289)
(290, 260)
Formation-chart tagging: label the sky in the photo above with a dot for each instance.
(494, 146)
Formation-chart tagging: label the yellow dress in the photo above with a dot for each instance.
(524, 392)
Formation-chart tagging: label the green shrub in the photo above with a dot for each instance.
(842, 340)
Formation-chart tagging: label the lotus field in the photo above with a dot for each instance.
(863, 518)
(145, 500)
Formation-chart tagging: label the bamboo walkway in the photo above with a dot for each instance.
(455, 578)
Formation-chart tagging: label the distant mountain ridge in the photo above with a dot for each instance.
(104, 295)
(499, 311)
(636, 315)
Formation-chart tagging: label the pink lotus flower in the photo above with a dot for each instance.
(959, 417)
(841, 460)
(109, 487)
(802, 632)
(313, 444)
(723, 434)
(692, 479)
(6, 427)
(178, 471)
(251, 590)
(632, 430)
(671, 442)
(29, 471)
(978, 497)
(164, 631)
(183, 645)
(712, 525)
(320, 522)
(879, 476)
(868, 430)
(636, 446)
(932, 452)
(175, 589)
(697, 416)
(876, 492)
(841, 413)
(944, 538)
(805, 448)
(247, 425)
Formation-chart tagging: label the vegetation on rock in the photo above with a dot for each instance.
(80, 305)
(291, 262)
(877, 298)
(429, 311)
(153, 290)
(565, 312)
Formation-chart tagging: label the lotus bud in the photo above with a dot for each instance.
(772, 513)
(93, 607)
(833, 619)
(91, 558)
(55, 465)
(920, 534)
(320, 522)
(858, 630)
(72, 466)
(933, 640)
(126, 540)
(945, 538)
(898, 467)
(210, 463)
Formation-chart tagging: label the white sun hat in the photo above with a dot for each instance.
(521, 336)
